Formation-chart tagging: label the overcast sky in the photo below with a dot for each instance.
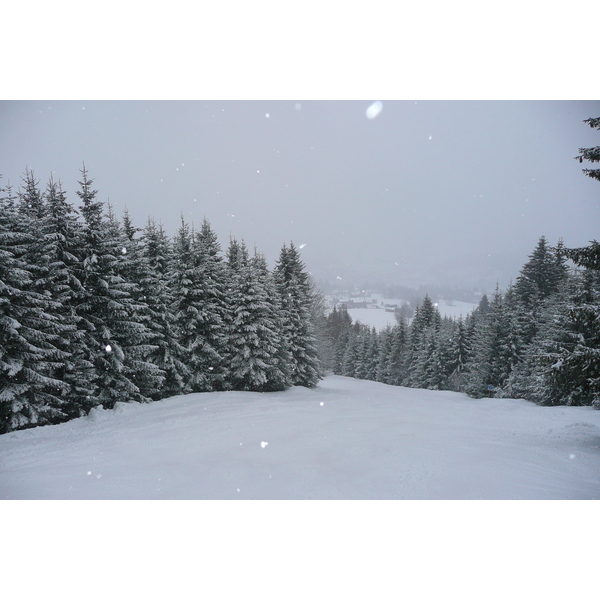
(426, 191)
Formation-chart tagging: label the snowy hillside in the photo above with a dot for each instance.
(346, 439)
(380, 318)
(373, 317)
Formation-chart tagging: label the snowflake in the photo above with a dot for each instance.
(374, 109)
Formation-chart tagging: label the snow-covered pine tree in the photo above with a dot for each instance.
(29, 393)
(295, 307)
(540, 277)
(211, 294)
(361, 360)
(571, 358)
(530, 379)
(385, 349)
(62, 249)
(340, 349)
(495, 350)
(426, 320)
(459, 352)
(396, 368)
(154, 285)
(372, 355)
(446, 355)
(198, 307)
(142, 336)
(258, 357)
(107, 308)
(337, 326)
(348, 362)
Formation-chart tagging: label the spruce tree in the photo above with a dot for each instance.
(258, 358)
(29, 326)
(295, 306)
(158, 295)
(397, 364)
(62, 248)
(107, 309)
(572, 362)
(197, 311)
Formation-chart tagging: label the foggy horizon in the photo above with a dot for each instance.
(415, 193)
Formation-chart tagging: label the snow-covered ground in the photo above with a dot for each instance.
(373, 317)
(346, 439)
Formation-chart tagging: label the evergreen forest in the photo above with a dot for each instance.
(95, 311)
(539, 340)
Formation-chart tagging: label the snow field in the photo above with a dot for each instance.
(380, 318)
(346, 439)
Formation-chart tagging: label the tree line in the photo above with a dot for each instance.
(94, 310)
(540, 340)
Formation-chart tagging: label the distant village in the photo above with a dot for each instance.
(358, 300)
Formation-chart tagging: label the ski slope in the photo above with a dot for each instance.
(346, 439)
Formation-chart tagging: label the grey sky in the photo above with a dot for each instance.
(432, 191)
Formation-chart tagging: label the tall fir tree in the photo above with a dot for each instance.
(258, 358)
(107, 309)
(30, 394)
(295, 305)
(158, 295)
(198, 310)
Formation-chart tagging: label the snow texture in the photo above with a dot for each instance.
(345, 439)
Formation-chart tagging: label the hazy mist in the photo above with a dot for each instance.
(453, 192)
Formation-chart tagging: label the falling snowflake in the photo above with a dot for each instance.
(322, 403)
(374, 109)
(264, 444)
(108, 348)
(267, 115)
(124, 251)
(302, 246)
